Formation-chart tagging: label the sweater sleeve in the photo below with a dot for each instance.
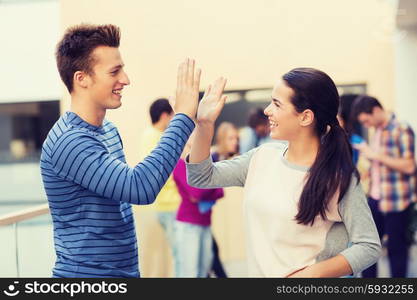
(180, 178)
(207, 174)
(357, 218)
(81, 158)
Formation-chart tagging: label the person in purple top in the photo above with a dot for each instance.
(193, 225)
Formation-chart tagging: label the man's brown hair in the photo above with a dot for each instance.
(74, 51)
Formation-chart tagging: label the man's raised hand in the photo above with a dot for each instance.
(188, 84)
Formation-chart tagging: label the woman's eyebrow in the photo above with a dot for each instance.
(276, 100)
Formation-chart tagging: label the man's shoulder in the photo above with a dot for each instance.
(405, 126)
(71, 134)
(108, 125)
(400, 125)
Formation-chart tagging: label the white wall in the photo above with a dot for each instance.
(252, 43)
(406, 77)
(29, 32)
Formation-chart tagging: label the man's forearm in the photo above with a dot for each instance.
(403, 165)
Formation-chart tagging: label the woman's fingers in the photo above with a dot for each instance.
(218, 86)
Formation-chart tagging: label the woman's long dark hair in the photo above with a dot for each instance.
(333, 167)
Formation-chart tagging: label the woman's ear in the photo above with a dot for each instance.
(306, 117)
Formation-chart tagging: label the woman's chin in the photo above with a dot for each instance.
(275, 135)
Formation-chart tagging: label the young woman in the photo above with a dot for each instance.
(227, 141)
(303, 202)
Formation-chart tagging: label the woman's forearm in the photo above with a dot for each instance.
(200, 149)
(336, 266)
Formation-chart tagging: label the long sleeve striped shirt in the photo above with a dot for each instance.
(90, 189)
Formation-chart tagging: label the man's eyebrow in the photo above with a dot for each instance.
(117, 67)
(276, 100)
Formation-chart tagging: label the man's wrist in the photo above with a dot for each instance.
(186, 114)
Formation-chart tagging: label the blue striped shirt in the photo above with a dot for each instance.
(90, 189)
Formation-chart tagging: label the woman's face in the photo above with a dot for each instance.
(283, 119)
(231, 140)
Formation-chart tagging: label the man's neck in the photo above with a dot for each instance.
(160, 126)
(87, 111)
(385, 120)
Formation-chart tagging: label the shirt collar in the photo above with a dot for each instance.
(75, 120)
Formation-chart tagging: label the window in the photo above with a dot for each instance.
(23, 128)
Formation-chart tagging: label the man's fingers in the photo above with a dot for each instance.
(190, 72)
(179, 75)
(186, 66)
(183, 73)
(171, 100)
(197, 80)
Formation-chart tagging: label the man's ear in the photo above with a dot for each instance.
(307, 117)
(81, 79)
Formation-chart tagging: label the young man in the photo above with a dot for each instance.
(257, 133)
(392, 180)
(89, 186)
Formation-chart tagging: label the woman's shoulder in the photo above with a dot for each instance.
(278, 146)
(353, 191)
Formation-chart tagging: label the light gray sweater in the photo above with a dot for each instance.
(355, 236)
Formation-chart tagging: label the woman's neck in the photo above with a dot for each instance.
(303, 151)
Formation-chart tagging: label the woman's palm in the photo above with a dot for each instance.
(213, 101)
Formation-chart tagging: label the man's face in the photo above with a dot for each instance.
(262, 130)
(166, 118)
(371, 120)
(108, 78)
(365, 119)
